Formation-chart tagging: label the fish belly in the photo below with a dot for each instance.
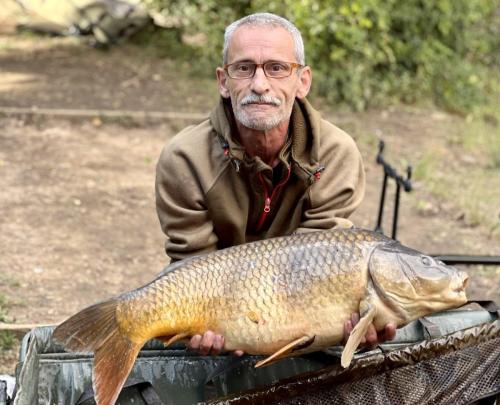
(319, 312)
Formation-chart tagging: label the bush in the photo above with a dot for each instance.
(6, 337)
(369, 52)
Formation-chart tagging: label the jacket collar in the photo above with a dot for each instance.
(305, 126)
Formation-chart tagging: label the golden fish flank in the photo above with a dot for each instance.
(277, 297)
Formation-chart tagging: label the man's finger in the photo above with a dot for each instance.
(347, 330)
(349, 327)
(390, 331)
(354, 319)
(371, 335)
(207, 342)
(239, 353)
(218, 345)
(354, 322)
(194, 343)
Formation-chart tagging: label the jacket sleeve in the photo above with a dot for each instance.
(181, 207)
(341, 187)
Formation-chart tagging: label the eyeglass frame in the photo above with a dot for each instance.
(293, 66)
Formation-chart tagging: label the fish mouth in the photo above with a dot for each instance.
(463, 283)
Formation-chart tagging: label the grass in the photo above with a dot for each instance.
(467, 170)
(425, 168)
(7, 339)
(456, 160)
(3, 307)
(364, 141)
(8, 281)
(481, 135)
(9, 343)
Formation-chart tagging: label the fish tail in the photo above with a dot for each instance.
(112, 364)
(95, 329)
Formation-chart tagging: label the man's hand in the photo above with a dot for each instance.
(371, 338)
(209, 343)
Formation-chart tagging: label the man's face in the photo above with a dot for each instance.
(262, 103)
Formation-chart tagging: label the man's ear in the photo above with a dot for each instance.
(222, 82)
(305, 80)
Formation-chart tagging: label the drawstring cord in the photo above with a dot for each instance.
(225, 147)
(317, 173)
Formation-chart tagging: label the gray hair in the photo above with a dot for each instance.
(265, 19)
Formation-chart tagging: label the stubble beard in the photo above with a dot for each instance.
(261, 123)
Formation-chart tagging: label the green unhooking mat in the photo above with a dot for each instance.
(452, 357)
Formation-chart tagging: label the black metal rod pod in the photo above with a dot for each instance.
(389, 171)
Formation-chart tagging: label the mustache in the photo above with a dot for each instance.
(255, 98)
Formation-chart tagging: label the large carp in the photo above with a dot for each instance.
(276, 297)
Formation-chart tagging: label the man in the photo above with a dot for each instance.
(264, 164)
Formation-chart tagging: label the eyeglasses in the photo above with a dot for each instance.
(272, 69)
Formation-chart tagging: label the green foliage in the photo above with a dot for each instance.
(368, 52)
(164, 42)
(426, 166)
(3, 307)
(7, 339)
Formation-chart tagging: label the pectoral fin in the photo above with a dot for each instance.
(297, 344)
(168, 340)
(356, 336)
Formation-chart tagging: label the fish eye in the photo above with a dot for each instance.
(426, 260)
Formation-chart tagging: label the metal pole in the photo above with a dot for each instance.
(380, 161)
(378, 228)
(469, 259)
(396, 211)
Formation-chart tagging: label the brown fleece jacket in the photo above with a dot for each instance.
(210, 194)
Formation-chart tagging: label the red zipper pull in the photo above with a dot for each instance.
(267, 205)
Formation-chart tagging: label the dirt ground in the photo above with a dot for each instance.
(78, 221)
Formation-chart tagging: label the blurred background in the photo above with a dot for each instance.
(90, 91)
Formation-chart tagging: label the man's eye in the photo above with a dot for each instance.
(243, 68)
(278, 67)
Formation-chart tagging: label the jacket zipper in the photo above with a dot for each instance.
(269, 198)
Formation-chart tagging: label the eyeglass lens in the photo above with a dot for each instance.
(271, 69)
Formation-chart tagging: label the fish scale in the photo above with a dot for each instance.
(277, 297)
(265, 291)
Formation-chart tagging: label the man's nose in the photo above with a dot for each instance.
(260, 82)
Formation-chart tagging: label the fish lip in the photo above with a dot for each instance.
(463, 283)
